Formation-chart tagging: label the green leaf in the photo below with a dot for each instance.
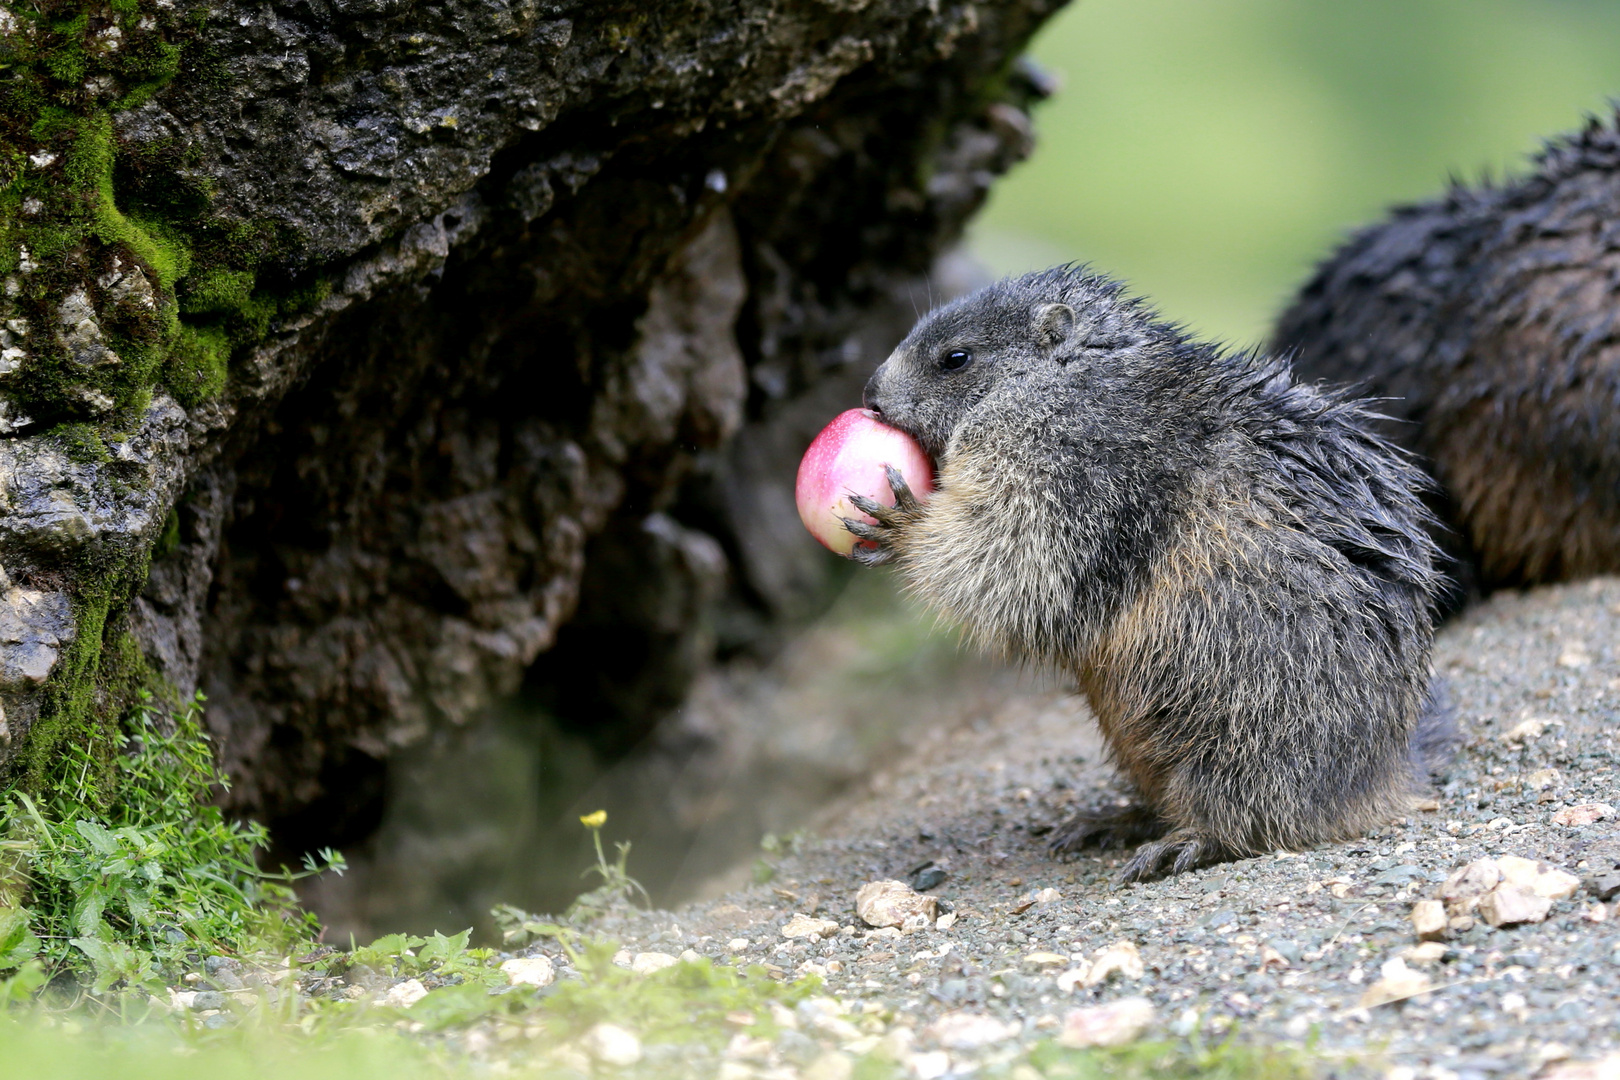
(18, 943)
(459, 1004)
(115, 960)
(140, 906)
(20, 987)
(439, 948)
(385, 950)
(87, 916)
(100, 839)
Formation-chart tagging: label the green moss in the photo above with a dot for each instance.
(83, 443)
(218, 292)
(169, 542)
(89, 169)
(197, 363)
(69, 715)
(109, 206)
(66, 62)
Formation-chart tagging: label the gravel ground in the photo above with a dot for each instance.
(1286, 947)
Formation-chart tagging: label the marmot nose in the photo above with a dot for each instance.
(869, 397)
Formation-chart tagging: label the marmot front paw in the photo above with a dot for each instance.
(889, 520)
(1174, 853)
(1166, 851)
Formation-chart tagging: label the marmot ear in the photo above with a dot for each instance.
(1053, 325)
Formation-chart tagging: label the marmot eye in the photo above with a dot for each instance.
(955, 360)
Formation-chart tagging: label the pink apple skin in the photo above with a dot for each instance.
(849, 456)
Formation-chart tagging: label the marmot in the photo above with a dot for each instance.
(1488, 320)
(1237, 569)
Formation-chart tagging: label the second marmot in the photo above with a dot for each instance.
(1236, 569)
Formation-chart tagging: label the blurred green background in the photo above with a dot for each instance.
(1212, 151)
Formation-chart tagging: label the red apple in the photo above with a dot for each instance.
(848, 457)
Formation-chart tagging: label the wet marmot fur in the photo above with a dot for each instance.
(1236, 569)
(1490, 320)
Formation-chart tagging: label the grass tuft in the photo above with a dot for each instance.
(126, 888)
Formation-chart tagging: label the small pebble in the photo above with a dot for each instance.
(646, 963)
(1396, 982)
(529, 971)
(1114, 1024)
(963, 1030)
(805, 926)
(404, 995)
(1429, 919)
(612, 1045)
(894, 903)
(1121, 958)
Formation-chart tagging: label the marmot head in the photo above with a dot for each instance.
(1021, 334)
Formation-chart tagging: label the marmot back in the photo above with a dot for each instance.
(1237, 569)
(1487, 318)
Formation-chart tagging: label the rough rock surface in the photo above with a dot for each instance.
(546, 298)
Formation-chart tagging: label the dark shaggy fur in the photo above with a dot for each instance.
(1236, 569)
(1490, 319)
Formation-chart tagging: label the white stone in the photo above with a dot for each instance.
(804, 926)
(1606, 1068)
(1539, 877)
(1574, 656)
(1429, 919)
(830, 1066)
(1075, 976)
(963, 1030)
(1584, 814)
(1046, 959)
(611, 1044)
(1114, 1024)
(404, 995)
(1510, 904)
(894, 903)
(1465, 886)
(929, 1065)
(529, 971)
(826, 1015)
(1427, 953)
(1396, 982)
(1121, 957)
(1525, 730)
(645, 963)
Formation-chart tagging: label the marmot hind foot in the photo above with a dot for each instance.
(1103, 828)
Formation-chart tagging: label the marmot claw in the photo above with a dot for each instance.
(889, 519)
(1175, 853)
